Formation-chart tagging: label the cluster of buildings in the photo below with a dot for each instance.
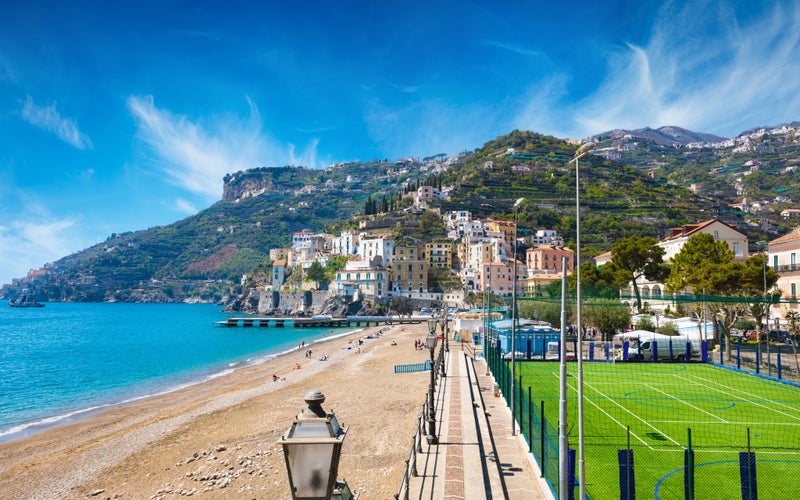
(477, 254)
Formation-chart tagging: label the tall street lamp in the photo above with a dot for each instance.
(514, 317)
(431, 418)
(580, 153)
(487, 317)
(312, 448)
(763, 246)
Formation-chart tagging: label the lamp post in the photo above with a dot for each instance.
(445, 333)
(487, 317)
(312, 448)
(487, 280)
(563, 444)
(431, 341)
(514, 318)
(444, 348)
(580, 153)
(763, 246)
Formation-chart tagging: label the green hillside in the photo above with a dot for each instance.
(644, 192)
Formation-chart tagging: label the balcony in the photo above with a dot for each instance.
(786, 268)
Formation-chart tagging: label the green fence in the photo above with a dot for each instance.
(662, 430)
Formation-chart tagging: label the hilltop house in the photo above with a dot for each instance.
(672, 245)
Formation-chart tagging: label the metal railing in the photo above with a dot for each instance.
(416, 441)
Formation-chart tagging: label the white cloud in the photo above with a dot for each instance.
(196, 155)
(704, 69)
(49, 119)
(185, 207)
(29, 244)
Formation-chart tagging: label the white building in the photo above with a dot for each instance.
(345, 244)
(369, 248)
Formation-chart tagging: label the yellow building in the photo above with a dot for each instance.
(439, 254)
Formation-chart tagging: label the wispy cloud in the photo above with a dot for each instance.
(185, 207)
(704, 66)
(196, 155)
(49, 119)
(34, 238)
(705, 69)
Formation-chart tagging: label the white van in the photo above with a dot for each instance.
(642, 344)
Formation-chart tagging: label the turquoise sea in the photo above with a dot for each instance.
(65, 360)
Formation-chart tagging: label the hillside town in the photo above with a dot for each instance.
(477, 257)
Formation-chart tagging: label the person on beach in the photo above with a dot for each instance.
(297, 366)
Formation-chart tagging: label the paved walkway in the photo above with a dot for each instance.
(476, 456)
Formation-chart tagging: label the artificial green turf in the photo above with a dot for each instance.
(660, 403)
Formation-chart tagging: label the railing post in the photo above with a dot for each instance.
(414, 456)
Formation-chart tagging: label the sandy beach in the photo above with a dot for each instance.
(219, 439)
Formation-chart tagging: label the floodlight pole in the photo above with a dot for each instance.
(563, 445)
(514, 319)
(580, 153)
(763, 245)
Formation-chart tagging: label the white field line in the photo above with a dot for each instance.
(645, 422)
(749, 424)
(732, 389)
(608, 415)
(686, 403)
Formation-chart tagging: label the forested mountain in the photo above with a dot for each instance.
(630, 184)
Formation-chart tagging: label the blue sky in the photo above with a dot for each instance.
(122, 116)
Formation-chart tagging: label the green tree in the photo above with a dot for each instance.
(317, 273)
(607, 316)
(596, 282)
(698, 264)
(705, 265)
(548, 311)
(638, 257)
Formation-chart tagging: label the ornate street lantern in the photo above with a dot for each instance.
(312, 448)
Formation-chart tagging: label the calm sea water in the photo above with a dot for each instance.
(63, 361)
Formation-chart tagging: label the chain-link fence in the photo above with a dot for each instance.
(662, 429)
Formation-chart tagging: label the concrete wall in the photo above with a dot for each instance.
(292, 301)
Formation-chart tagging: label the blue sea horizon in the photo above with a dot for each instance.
(65, 361)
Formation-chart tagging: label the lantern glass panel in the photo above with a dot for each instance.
(309, 429)
(310, 468)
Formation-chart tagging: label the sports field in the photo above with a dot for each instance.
(659, 403)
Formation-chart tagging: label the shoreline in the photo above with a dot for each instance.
(147, 447)
(27, 429)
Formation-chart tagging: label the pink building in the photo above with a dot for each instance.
(548, 259)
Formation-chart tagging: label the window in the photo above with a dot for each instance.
(737, 250)
(793, 259)
(775, 261)
(794, 290)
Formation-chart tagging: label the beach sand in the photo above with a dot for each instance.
(219, 439)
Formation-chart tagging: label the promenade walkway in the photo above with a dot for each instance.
(476, 457)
